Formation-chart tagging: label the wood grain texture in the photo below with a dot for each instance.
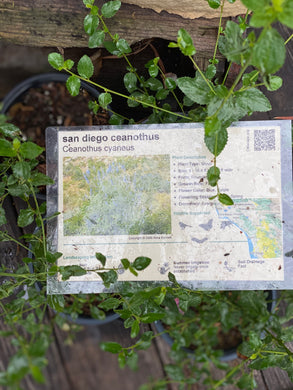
(55, 23)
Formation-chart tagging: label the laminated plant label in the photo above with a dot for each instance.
(134, 191)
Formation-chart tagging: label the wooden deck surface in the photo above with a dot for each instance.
(83, 366)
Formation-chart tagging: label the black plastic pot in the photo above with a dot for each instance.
(18, 92)
(228, 354)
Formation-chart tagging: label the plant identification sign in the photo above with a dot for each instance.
(134, 191)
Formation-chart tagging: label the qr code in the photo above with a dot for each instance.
(264, 140)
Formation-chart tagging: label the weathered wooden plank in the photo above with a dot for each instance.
(56, 23)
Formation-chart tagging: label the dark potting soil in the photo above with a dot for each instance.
(52, 105)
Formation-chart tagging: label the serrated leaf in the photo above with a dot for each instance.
(39, 179)
(269, 52)
(91, 22)
(105, 99)
(68, 64)
(73, 85)
(110, 304)
(185, 43)
(88, 3)
(253, 100)
(85, 67)
(30, 150)
(9, 130)
(170, 83)
(273, 83)
(217, 141)
(195, 89)
(232, 45)
(109, 277)
(96, 39)
(286, 16)
(6, 149)
(123, 46)
(56, 60)
(130, 81)
(141, 263)
(25, 218)
(22, 169)
(110, 8)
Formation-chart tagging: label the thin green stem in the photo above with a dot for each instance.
(202, 75)
(127, 97)
(219, 30)
(289, 39)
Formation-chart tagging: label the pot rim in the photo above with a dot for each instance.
(19, 89)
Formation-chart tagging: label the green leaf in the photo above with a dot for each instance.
(141, 263)
(110, 8)
(116, 119)
(195, 89)
(125, 263)
(37, 374)
(134, 329)
(212, 125)
(213, 176)
(185, 43)
(105, 99)
(57, 302)
(2, 216)
(88, 3)
(273, 83)
(211, 71)
(253, 5)
(172, 278)
(6, 149)
(73, 85)
(170, 83)
(22, 170)
(17, 368)
(162, 94)
(214, 3)
(286, 16)
(9, 130)
(151, 317)
(269, 52)
(56, 60)
(102, 259)
(26, 217)
(110, 304)
(85, 67)
(152, 67)
(225, 199)
(217, 142)
(39, 179)
(68, 64)
(112, 48)
(96, 39)
(123, 46)
(111, 347)
(232, 45)
(108, 277)
(30, 150)
(71, 270)
(90, 23)
(250, 78)
(153, 84)
(130, 81)
(97, 314)
(253, 100)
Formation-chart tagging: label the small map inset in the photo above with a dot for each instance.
(259, 221)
